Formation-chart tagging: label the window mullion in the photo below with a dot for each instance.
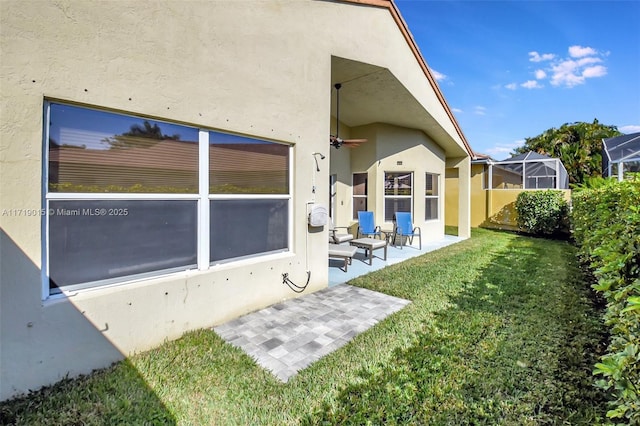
(45, 205)
(203, 201)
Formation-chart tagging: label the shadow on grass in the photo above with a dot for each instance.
(115, 395)
(517, 346)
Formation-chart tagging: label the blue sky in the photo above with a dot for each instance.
(513, 69)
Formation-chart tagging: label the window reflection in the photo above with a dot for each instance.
(97, 151)
(398, 194)
(242, 165)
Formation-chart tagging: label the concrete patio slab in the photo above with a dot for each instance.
(360, 264)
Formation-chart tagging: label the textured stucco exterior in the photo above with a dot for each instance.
(390, 149)
(257, 68)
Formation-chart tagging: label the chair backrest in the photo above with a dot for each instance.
(404, 223)
(366, 223)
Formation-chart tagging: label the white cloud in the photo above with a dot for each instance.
(536, 57)
(582, 63)
(438, 75)
(564, 73)
(501, 151)
(570, 73)
(479, 110)
(457, 110)
(511, 86)
(596, 71)
(588, 61)
(579, 51)
(532, 84)
(632, 128)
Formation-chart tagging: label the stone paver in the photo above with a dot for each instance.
(305, 329)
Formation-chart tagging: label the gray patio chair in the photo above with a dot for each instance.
(337, 237)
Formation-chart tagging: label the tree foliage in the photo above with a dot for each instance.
(140, 136)
(578, 145)
(606, 225)
(542, 212)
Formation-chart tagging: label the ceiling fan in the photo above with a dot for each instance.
(335, 140)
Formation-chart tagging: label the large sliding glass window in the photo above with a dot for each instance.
(360, 189)
(431, 196)
(398, 194)
(125, 197)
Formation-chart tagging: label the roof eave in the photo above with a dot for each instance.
(404, 29)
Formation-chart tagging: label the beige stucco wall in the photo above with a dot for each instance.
(478, 196)
(501, 208)
(451, 196)
(243, 67)
(387, 145)
(339, 161)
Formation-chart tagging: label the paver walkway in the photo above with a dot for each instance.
(287, 337)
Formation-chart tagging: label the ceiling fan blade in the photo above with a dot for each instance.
(354, 140)
(335, 141)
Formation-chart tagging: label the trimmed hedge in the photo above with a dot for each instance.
(542, 212)
(606, 228)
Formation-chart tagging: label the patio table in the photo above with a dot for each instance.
(389, 234)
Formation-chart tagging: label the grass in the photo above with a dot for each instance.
(501, 330)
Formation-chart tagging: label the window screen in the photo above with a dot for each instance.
(106, 239)
(431, 196)
(360, 191)
(247, 227)
(398, 194)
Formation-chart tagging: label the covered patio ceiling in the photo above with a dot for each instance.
(372, 94)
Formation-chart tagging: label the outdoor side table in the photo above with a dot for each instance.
(388, 235)
(369, 245)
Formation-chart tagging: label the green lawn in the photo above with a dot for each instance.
(502, 330)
